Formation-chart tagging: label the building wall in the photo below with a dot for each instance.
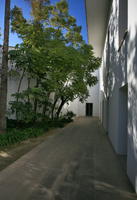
(13, 81)
(80, 108)
(132, 92)
(118, 87)
(113, 75)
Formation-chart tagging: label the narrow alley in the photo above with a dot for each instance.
(77, 163)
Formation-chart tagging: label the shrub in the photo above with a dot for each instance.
(11, 123)
(15, 135)
(56, 123)
(23, 111)
(19, 130)
(68, 117)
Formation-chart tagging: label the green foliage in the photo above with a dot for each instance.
(68, 117)
(24, 110)
(19, 131)
(14, 136)
(57, 65)
(54, 56)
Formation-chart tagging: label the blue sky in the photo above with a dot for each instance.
(77, 9)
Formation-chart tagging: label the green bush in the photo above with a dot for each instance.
(68, 117)
(15, 135)
(19, 131)
(23, 111)
(11, 123)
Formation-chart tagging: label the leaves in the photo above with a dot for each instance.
(53, 55)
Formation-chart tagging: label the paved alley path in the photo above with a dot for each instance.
(77, 163)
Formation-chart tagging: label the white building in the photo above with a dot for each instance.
(112, 30)
(91, 106)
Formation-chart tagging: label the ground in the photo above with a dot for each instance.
(11, 153)
(76, 163)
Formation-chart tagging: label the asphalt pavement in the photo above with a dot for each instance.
(77, 163)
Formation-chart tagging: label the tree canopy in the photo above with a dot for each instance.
(52, 54)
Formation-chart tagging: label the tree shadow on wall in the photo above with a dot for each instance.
(132, 106)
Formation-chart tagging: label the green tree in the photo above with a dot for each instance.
(53, 54)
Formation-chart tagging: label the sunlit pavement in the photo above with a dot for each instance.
(77, 163)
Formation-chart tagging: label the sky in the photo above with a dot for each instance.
(76, 9)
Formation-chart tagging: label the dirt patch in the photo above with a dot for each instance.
(10, 154)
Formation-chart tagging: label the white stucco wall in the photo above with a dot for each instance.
(12, 82)
(132, 93)
(122, 87)
(118, 79)
(80, 108)
(112, 77)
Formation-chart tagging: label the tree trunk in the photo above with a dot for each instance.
(20, 81)
(35, 100)
(4, 70)
(53, 108)
(45, 105)
(44, 109)
(18, 90)
(60, 108)
(28, 89)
